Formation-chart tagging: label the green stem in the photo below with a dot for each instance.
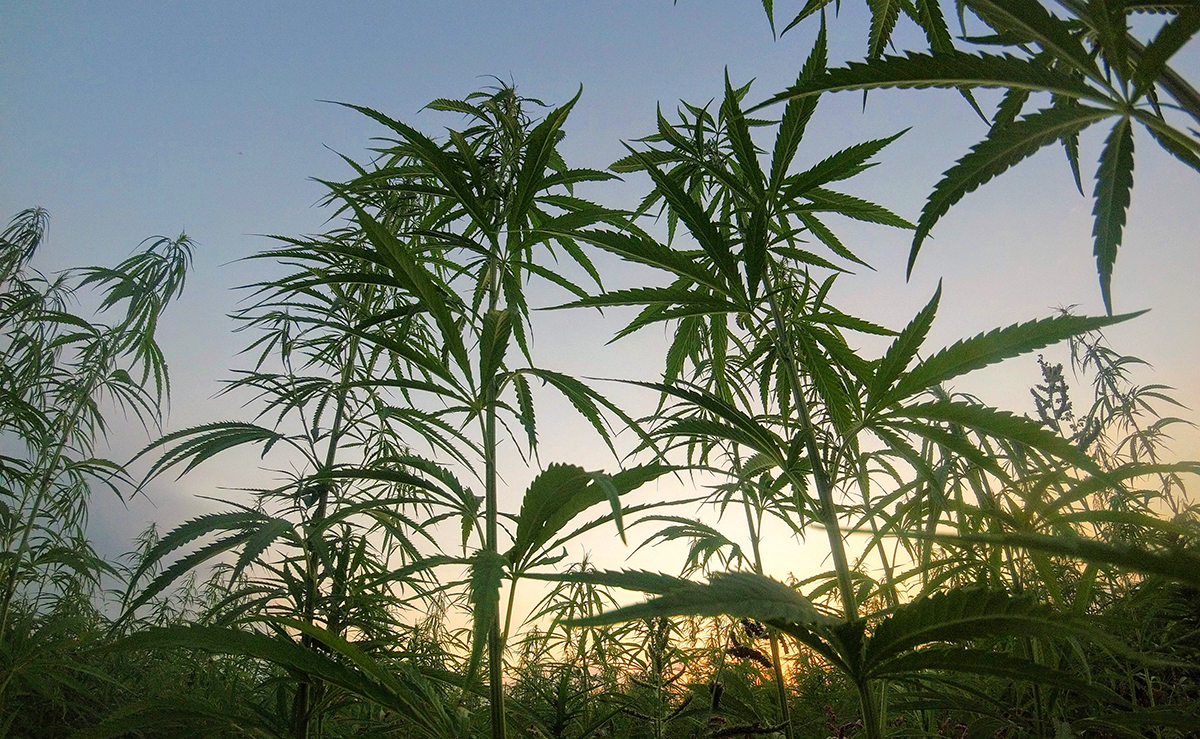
(43, 489)
(870, 712)
(780, 683)
(495, 638)
(828, 512)
(307, 692)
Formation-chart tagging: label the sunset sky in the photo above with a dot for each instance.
(132, 119)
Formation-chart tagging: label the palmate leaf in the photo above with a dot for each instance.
(747, 429)
(1029, 19)
(539, 148)
(990, 664)
(181, 567)
(745, 153)
(944, 69)
(963, 614)
(998, 424)
(192, 530)
(681, 299)
(183, 715)
(425, 285)
(1179, 566)
(588, 403)
(736, 594)
(555, 491)
(398, 688)
(996, 345)
(698, 222)
(643, 250)
(1114, 180)
(1004, 147)
(639, 580)
(439, 163)
(838, 166)
(1134, 723)
(563, 491)
(200, 443)
(904, 348)
(487, 573)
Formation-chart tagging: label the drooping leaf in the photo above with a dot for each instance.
(736, 594)
(1004, 147)
(1114, 181)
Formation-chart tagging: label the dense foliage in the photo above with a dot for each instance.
(1007, 575)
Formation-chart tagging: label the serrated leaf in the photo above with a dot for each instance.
(1001, 425)
(487, 574)
(1114, 181)
(1030, 19)
(1179, 566)
(963, 614)
(905, 347)
(1004, 147)
(991, 347)
(944, 69)
(736, 594)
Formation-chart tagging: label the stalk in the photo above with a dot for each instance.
(495, 638)
(43, 489)
(307, 692)
(828, 511)
(871, 714)
(780, 684)
(871, 717)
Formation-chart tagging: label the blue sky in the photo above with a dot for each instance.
(130, 119)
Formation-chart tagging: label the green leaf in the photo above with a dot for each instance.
(487, 574)
(493, 342)
(697, 221)
(736, 594)
(440, 163)
(643, 250)
(930, 19)
(829, 201)
(1114, 181)
(425, 285)
(962, 614)
(796, 116)
(835, 167)
(984, 349)
(905, 347)
(400, 689)
(201, 443)
(539, 147)
(1170, 38)
(1001, 425)
(1179, 566)
(1029, 19)
(884, 14)
(1004, 147)
(990, 664)
(943, 69)
(744, 151)
(560, 493)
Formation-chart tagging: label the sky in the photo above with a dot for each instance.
(132, 119)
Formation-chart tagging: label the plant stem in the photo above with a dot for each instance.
(307, 691)
(828, 512)
(781, 692)
(495, 638)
